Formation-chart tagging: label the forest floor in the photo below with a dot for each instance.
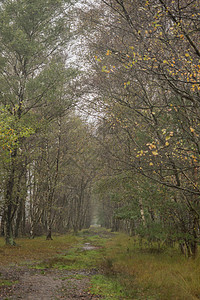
(96, 264)
(67, 274)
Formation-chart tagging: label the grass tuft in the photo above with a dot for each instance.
(108, 287)
(74, 259)
(4, 282)
(153, 275)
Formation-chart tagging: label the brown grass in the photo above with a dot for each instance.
(145, 275)
(34, 249)
(166, 275)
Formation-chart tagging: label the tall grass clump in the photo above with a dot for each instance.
(150, 274)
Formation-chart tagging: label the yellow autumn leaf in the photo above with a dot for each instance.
(108, 52)
(151, 164)
(167, 144)
(192, 129)
(154, 152)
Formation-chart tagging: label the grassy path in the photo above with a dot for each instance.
(96, 264)
(65, 268)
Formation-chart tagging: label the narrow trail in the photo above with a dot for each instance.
(52, 284)
(48, 283)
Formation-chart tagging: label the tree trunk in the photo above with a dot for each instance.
(8, 227)
(49, 233)
(194, 243)
(142, 212)
(9, 201)
(32, 230)
(49, 226)
(23, 222)
(3, 224)
(18, 219)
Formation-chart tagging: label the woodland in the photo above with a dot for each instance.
(100, 119)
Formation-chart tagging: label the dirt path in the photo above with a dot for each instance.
(35, 284)
(52, 284)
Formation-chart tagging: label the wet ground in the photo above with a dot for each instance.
(47, 284)
(50, 283)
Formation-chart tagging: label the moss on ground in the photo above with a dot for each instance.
(4, 282)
